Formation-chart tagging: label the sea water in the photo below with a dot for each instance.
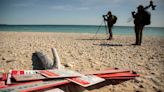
(93, 29)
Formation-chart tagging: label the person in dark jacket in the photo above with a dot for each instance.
(139, 24)
(111, 20)
(141, 18)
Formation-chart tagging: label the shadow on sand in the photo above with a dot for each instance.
(113, 44)
(106, 44)
(90, 39)
(107, 82)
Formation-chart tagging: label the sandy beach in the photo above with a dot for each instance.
(82, 52)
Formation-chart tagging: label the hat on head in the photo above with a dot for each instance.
(140, 7)
(109, 12)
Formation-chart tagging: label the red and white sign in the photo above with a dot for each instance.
(86, 80)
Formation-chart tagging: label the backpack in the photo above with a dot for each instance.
(114, 19)
(147, 18)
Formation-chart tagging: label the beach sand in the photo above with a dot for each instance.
(82, 52)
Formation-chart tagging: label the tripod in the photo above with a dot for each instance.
(103, 21)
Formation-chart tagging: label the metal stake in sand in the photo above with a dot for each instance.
(56, 58)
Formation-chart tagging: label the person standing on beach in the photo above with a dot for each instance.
(141, 18)
(111, 20)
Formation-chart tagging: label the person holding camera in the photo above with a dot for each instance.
(141, 18)
(139, 24)
(111, 20)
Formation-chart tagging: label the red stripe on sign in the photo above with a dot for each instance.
(126, 74)
(22, 72)
(80, 81)
(4, 76)
(13, 72)
(106, 71)
(120, 78)
(48, 73)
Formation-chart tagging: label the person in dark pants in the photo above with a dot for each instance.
(111, 20)
(141, 18)
(139, 24)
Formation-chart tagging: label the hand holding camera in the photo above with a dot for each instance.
(133, 12)
(104, 16)
(152, 5)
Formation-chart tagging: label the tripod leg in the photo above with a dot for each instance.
(98, 29)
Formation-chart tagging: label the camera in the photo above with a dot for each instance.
(104, 16)
(152, 5)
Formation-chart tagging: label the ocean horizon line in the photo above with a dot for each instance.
(100, 29)
(69, 25)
